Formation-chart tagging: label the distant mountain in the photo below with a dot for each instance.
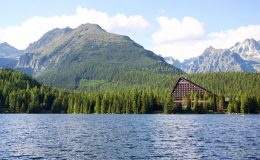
(8, 51)
(7, 63)
(68, 57)
(8, 55)
(174, 62)
(242, 57)
(248, 50)
(217, 60)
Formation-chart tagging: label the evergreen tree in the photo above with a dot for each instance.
(195, 103)
(252, 105)
(134, 99)
(221, 100)
(57, 105)
(34, 104)
(23, 108)
(244, 107)
(145, 103)
(104, 104)
(97, 104)
(168, 105)
(237, 105)
(231, 107)
(186, 103)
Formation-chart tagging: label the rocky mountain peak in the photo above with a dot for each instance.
(249, 49)
(250, 41)
(210, 48)
(90, 26)
(47, 38)
(6, 46)
(213, 51)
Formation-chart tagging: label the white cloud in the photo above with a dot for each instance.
(32, 29)
(225, 39)
(187, 38)
(173, 30)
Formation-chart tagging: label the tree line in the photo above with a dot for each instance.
(22, 94)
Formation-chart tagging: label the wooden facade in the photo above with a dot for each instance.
(184, 87)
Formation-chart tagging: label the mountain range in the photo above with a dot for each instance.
(242, 57)
(90, 56)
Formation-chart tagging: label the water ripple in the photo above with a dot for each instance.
(129, 136)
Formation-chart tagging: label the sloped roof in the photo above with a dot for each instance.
(182, 78)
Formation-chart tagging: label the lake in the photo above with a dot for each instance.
(52, 136)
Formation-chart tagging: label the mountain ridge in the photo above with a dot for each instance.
(242, 57)
(46, 39)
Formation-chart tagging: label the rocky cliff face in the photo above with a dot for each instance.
(217, 60)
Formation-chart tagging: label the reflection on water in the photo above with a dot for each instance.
(129, 136)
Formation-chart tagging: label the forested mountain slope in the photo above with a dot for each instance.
(68, 57)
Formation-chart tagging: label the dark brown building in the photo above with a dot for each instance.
(184, 87)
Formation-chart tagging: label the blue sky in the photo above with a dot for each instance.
(163, 26)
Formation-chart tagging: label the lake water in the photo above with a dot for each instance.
(49, 136)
